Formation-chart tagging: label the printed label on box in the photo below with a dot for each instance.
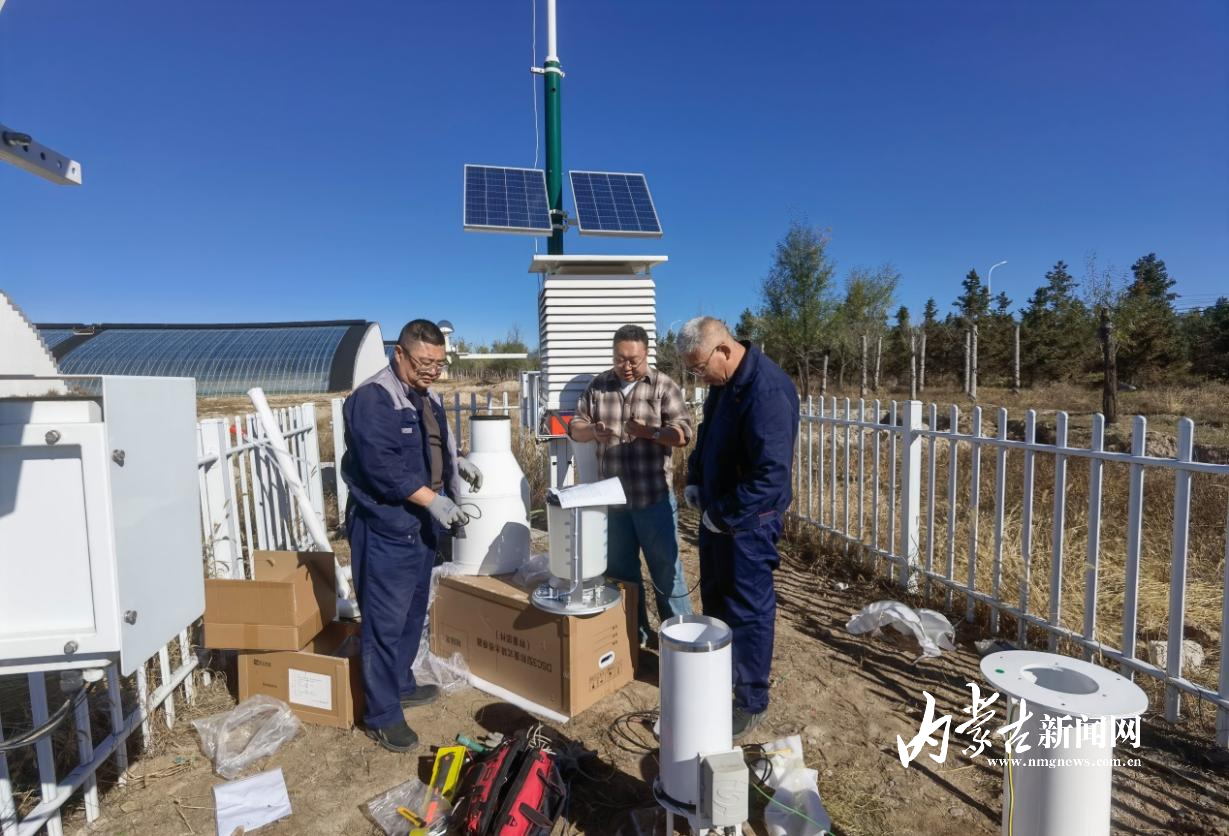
(311, 689)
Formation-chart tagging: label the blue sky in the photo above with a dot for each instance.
(267, 160)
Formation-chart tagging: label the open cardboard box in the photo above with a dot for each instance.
(287, 603)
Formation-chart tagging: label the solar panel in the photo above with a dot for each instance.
(506, 200)
(614, 203)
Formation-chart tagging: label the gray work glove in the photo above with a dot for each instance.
(710, 525)
(446, 512)
(691, 495)
(470, 473)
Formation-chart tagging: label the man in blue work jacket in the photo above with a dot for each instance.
(739, 477)
(403, 471)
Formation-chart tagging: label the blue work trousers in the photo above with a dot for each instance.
(736, 586)
(392, 580)
(654, 529)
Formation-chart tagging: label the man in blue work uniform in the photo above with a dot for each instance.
(739, 477)
(403, 471)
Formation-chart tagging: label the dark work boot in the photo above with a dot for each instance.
(397, 737)
(422, 695)
(744, 721)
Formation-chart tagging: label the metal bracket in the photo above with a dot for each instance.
(22, 151)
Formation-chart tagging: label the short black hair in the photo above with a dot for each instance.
(420, 331)
(631, 334)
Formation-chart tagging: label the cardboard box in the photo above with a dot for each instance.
(323, 683)
(288, 602)
(563, 663)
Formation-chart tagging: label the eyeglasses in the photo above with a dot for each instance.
(631, 362)
(698, 369)
(425, 365)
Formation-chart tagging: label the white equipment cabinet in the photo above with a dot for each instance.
(100, 537)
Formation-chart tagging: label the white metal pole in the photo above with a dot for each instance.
(290, 472)
(551, 54)
(990, 277)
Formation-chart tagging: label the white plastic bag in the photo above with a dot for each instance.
(533, 572)
(255, 728)
(796, 809)
(931, 629)
(451, 674)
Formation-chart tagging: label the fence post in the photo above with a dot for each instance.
(1178, 561)
(311, 452)
(862, 388)
(913, 365)
(910, 491)
(823, 381)
(222, 536)
(339, 450)
(1015, 365)
(921, 368)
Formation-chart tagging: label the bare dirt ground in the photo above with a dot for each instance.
(848, 696)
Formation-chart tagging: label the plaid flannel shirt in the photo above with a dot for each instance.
(643, 466)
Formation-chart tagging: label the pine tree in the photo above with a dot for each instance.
(1150, 342)
(1057, 331)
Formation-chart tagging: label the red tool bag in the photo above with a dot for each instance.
(514, 791)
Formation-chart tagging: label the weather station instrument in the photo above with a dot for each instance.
(582, 300)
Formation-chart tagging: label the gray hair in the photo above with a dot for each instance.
(697, 333)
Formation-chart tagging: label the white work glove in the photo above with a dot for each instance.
(710, 525)
(691, 495)
(470, 473)
(446, 512)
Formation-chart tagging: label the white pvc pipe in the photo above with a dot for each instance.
(1065, 787)
(290, 472)
(496, 539)
(550, 32)
(696, 700)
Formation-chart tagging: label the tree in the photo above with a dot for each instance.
(1207, 337)
(974, 302)
(1057, 330)
(930, 313)
(863, 312)
(1146, 324)
(796, 318)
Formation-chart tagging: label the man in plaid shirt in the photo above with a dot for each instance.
(637, 416)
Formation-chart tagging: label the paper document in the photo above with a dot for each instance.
(605, 492)
(251, 802)
(310, 689)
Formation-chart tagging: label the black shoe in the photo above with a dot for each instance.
(422, 695)
(396, 738)
(745, 721)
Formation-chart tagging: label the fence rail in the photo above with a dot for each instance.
(907, 493)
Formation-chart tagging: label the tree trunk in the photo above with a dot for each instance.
(1015, 366)
(1109, 350)
(973, 368)
(823, 381)
(840, 375)
(913, 365)
(805, 368)
(921, 372)
(878, 358)
(862, 388)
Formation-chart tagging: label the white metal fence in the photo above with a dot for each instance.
(931, 506)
